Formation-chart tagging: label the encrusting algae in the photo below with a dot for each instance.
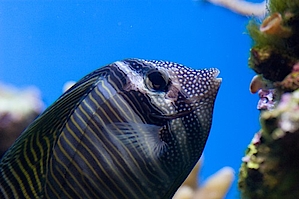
(270, 168)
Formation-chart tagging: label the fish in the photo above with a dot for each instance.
(131, 129)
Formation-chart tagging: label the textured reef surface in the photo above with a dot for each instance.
(270, 168)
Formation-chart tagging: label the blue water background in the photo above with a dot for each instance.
(46, 43)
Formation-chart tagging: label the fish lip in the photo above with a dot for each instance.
(216, 73)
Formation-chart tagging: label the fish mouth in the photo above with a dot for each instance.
(216, 73)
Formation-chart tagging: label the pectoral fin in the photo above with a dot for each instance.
(140, 136)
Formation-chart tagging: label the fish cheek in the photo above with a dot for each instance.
(144, 107)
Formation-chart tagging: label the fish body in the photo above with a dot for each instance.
(132, 129)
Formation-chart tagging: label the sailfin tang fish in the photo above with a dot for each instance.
(132, 129)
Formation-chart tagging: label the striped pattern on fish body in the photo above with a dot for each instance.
(132, 129)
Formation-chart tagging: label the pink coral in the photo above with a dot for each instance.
(267, 99)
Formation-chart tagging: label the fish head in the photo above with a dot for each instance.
(178, 99)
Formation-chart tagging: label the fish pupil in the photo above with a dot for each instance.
(157, 81)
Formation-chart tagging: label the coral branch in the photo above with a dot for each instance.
(215, 187)
(243, 7)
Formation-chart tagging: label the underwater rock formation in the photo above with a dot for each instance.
(270, 168)
(18, 108)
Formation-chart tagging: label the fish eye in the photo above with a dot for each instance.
(156, 80)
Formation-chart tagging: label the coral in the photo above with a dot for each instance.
(290, 82)
(270, 168)
(269, 95)
(275, 52)
(243, 7)
(18, 108)
(273, 25)
(215, 187)
(67, 85)
(268, 99)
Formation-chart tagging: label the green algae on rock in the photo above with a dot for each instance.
(275, 51)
